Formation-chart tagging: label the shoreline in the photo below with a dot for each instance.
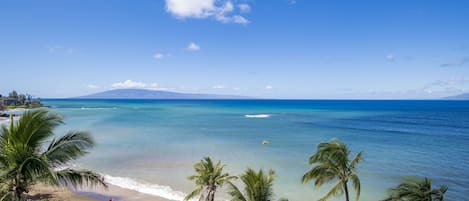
(42, 192)
(116, 193)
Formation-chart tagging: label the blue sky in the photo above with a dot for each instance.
(274, 49)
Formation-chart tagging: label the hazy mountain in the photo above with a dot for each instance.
(459, 97)
(153, 94)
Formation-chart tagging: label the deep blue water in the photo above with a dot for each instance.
(158, 141)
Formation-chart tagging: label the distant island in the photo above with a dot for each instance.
(154, 94)
(16, 100)
(464, 96)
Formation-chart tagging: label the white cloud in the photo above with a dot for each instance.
(156, 86)
(240, 19)
(92, 86)
(236, 88)
(54, 48)
(158, 56)
(390, 57)
(244, 7)
(129, 84)
(454, 85)
(218, 87)
(268, 87)
(220, 10)
(193, 47)
(191, 8)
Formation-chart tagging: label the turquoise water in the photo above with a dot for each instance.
(152, 145)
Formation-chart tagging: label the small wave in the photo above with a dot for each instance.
(257, 115)
(146, 188)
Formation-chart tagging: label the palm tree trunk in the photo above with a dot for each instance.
(211, 195)
(346, 191)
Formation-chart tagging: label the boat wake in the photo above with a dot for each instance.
(257, 115)
(98, 108)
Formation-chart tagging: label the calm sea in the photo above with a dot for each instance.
(153, 144)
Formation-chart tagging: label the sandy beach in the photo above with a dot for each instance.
(41, 192)
(4, 120)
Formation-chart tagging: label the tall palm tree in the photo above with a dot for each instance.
(257, 187)
(209, 177)
(25, 159)
(417, 190)
(331, 161)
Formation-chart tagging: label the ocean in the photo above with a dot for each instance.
(151, 145)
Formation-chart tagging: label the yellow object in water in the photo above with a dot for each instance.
(265, 142)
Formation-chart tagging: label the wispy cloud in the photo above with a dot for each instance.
(128, 84)
(60, 48)
(159, 56)
(92, 86)
(218, 87)
(268, 87)
(390, 57)
(457, 63)
(240, 19)
(220, 10)
(193, 47)
(454, 85)
(244, 7)
(434, 89)
(156, 86)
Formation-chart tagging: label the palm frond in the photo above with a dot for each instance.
(210, 176)
(356, 185)
(78, 178)
(416, 190)
(235, 193)
(337, 189)
(69, 147)
(330, 162)
(24, 162)
(194, 193)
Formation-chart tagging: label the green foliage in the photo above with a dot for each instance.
(416, 191)
(24, 160)
(331, 162)
(13, 94)
(208, 177)
(21, 101)
(257, 186)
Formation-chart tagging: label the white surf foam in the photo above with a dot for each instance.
(257, 115)
(146, 188)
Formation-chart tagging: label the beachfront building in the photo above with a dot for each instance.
(6, 101)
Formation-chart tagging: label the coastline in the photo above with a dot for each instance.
(41, 192)
(116, 193)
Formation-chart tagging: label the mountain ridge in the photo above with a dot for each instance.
(154, 94)
(464, 96)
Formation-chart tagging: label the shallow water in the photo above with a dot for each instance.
(154, 143)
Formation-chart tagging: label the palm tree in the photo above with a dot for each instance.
(417, 190)
(25, 160)
(257, 186)
(209, 177)
(331, 161)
